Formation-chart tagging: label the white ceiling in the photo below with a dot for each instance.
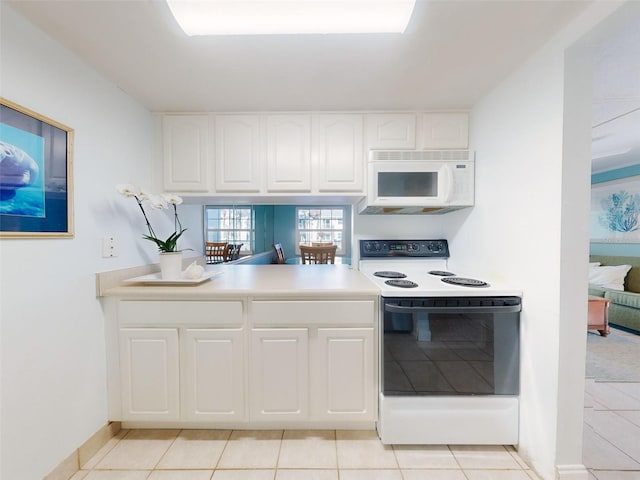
(452, 54)
(616, 99)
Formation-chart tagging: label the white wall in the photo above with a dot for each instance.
(528, 228)
(53, 390)
(404, 227)
(53, 394)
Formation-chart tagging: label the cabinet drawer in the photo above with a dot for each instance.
(141, 313)
(312, 312)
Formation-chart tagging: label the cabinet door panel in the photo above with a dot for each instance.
(306, 313)
(170, 313)
(149, 369)
(343, 373)
(213, 382)
(445, 130)
(279, 376)
(339, 149)
(391, 131)
(238, 153)
(186, 152)
(289, 153)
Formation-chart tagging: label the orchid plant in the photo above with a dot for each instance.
(159, 202)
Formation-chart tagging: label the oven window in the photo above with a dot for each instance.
(407, 184)
(451, 354)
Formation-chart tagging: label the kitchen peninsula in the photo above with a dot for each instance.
(256, 346)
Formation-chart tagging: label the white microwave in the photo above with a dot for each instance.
(415, 182)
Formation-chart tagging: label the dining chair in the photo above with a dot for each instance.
(232, 252)
(321, 244)
(315, 255)
(280, 258)
(215, 252)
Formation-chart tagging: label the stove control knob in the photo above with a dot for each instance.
(413, 247)
(434, 247)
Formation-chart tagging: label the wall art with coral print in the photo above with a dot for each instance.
(615, 211)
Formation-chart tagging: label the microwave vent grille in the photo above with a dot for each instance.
(419, 155)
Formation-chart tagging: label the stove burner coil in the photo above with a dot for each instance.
(389, 274)
(441, 273)
(401, 283)
(464, 282)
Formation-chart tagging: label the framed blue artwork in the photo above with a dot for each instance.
(36, 188)
(615, 211)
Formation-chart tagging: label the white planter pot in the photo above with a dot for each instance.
(171, 265)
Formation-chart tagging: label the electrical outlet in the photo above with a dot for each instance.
(110, 247)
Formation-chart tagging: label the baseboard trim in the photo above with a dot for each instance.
(572, 472)
(70, 465)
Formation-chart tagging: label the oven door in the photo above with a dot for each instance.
(463, 346)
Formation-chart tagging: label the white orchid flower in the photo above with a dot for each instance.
(172, 198)
(128, 189)
(158, 202)
(145, 195)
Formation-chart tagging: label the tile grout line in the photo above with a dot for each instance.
(335, 436)
(395, 456)
(614, 385)
(595, 432)
(155, 467)
(458, 462)
(275, 471)
(124, 432)
(226, 442)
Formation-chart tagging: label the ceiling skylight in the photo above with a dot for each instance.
(264, 17)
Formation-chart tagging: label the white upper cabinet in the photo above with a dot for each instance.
(238, 153)
(445, 130)
(389, 131)
(186, 152)
(280, 154)
(338, 146)
(289, 153)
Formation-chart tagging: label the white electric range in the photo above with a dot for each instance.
(449, 348)
(419, 268)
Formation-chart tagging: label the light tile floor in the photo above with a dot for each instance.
(611, 449)
(292, 455)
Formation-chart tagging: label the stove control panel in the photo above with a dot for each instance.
(404, 248)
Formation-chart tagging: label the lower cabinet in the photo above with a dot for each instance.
(149, 363)
(342, 368)
(212, 374)
(312, 374)
(303, 363)
(279, 374)
(190, 374)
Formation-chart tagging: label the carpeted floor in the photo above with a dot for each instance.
(614, 358)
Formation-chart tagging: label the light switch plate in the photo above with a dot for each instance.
(110, 247)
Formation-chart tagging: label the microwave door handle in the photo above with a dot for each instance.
(448, 182)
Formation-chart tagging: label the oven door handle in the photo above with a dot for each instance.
(395, 308)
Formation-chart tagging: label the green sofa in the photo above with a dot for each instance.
(624, 309)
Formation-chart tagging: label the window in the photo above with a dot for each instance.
(320, 225)
(231, 225)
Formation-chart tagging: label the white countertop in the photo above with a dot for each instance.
(330, 281)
